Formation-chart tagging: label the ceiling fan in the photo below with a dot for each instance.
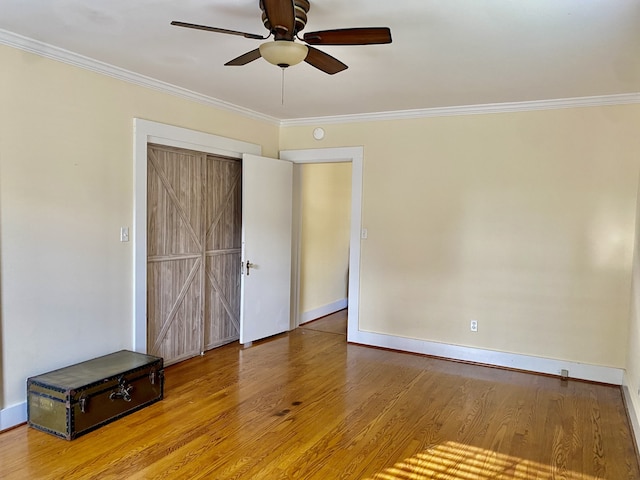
(285, 19)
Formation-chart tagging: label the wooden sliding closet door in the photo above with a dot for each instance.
(223, 249)
(193, 252)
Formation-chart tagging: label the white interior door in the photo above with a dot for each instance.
(265, 292)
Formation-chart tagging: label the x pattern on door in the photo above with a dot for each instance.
(194, 247)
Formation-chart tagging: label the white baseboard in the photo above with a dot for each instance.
(323, 311)
(582, 371)
(12, 416)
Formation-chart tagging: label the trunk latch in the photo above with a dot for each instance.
(123, 391)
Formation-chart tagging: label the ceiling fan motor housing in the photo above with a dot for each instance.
(301, 8)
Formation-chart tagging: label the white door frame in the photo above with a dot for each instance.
(145, 132)
(355, 155)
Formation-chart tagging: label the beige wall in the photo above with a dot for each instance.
(66, 188)
(324, 253)
(522, 221)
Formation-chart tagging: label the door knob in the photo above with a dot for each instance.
(249, 265)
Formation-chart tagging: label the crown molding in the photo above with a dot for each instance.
(55, 53)
(596, 101)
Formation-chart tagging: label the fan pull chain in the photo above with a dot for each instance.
(282, 94)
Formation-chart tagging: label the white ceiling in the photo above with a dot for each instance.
(444, 52)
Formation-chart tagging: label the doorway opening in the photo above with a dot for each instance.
(355, 156)
(325, 207)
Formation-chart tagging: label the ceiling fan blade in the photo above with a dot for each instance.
(281, 16)
(218, 30)
(325, 62)
(244, 59)
(349, 36)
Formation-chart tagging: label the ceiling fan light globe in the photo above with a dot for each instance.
(283, 53)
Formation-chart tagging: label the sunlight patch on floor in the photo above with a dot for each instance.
(455, 461)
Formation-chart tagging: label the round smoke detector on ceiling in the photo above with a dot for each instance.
(318, 133)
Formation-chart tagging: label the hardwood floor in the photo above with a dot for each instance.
(335, 323)
(307, 405)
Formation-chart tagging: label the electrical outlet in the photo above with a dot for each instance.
(474, 325)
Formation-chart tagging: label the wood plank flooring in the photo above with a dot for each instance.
(305, 405)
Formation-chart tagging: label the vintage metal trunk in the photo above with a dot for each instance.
(75, 400)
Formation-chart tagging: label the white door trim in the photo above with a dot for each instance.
(355, 155)
(145, 132)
